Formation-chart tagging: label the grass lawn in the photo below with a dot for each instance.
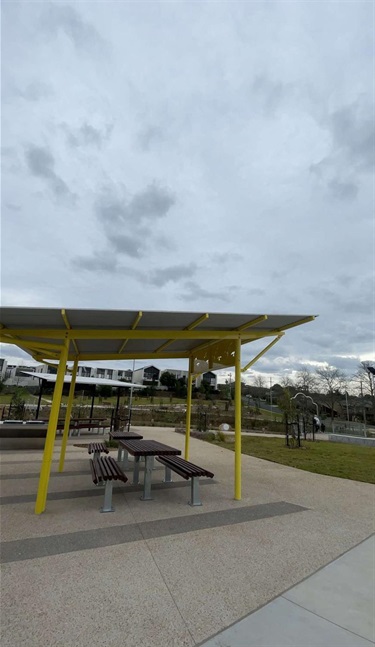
(334, 459)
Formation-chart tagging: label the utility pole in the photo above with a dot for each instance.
(271, 392)
(347, 407)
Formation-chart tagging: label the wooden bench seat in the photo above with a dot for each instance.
(104, 469)
(97, 449)
(188, 471)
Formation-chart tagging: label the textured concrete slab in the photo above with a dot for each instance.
(213, 576)
(344, 591)
(33, 548)
(117, 598)
(284, 624)
(334, 606)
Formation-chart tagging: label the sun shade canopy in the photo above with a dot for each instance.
(99, 381)
(125, 334)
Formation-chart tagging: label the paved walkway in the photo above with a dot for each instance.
(335, 606)
(159, 572)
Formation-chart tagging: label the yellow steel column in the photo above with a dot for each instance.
(41, 498)
(237, 426)
(67, 416)
(188, 407)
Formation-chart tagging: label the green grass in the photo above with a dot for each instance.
(322, 457)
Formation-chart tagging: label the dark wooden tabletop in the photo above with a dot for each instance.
(149, 448)
(125, 435)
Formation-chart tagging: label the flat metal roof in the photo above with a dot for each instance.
(132, 334)
(100, 381)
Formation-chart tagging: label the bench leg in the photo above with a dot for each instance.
(119, 454)
(168, 475)
(107, 506)
(149, 463)
(195, 499)
(136, 470)
(96, 455)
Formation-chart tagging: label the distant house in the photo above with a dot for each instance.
(208, 378)
(147, 375)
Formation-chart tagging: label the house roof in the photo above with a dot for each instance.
(128, 334)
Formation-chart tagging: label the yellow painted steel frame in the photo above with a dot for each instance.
(45, 471)
(68, 415)
(220, 346)
(237, 423)
(188, 407)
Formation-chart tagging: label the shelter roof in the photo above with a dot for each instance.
(127, 334)
(99, 381)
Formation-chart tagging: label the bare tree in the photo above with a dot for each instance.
(306, 381)
(259, 382)
(287, 382)
(333, 382)
(365, 378)
(364, 383)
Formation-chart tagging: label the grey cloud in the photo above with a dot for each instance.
(193, 291)
(227, 257)
(152, 203)
(256, 292)
(128, 245)
(149, 136)
(59, 17)
(343, 190)
(12, 207)
(172, 274)
(164, 243)
(328, 172)
(95, 264)
(353, 131)
(87, 135)
(41, 164)
(117, 213)
(35, 91)
(269, 93)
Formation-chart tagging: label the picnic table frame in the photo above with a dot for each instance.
(148, 449)
(122, 453)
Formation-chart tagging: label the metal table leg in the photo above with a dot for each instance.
(136, 470)
(125, 459)
(149, 462)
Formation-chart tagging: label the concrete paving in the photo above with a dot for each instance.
(335, 606)
(162, 573)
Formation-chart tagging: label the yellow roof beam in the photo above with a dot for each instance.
(254, 322)
(66, 322)
(262, 352)
(30, 343)
(135, 324)
(295, 323)
(191, 326)
(115, 356)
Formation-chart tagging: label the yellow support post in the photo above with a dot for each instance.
(41, 498)
(67, 416)
(237, 424)
(188, 407)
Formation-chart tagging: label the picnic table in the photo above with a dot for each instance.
(122, 453)
(148, 449)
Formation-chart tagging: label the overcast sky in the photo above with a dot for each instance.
(203, 156)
